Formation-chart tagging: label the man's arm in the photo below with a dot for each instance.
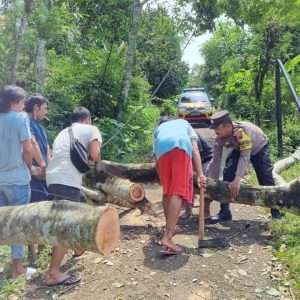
(241, 170)
(197, 163)
(27, 152)
(95, 150)
(49, 153)
(244, 138)
(37, 154)
(94, 145)
(26, 139)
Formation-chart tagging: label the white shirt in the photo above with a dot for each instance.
(61, 169)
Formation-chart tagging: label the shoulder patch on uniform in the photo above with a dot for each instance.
(244, 139)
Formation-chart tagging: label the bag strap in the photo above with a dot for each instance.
(71, 134)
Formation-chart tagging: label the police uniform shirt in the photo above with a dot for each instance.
(247, 138)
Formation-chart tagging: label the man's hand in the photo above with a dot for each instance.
(43, 172)
(234, 187)
(202, 181)
(38, 172)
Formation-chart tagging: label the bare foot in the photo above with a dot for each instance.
(170, 245)
(52, 278)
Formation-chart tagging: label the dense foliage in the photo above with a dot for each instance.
(111, 55)
(76, 53)
(248, 36)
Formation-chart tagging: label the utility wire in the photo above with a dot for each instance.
(152, 95)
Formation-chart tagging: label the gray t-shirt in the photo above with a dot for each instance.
(14, 129)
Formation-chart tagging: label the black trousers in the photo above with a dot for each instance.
(64, 192)
(261, 163)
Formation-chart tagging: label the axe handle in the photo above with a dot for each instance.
(201, 216)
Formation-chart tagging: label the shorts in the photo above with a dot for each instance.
(176, 174)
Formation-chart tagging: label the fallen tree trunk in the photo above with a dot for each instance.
(286, 196)
(284, 164)
(134, 172)
(280, 196)
(64, 223)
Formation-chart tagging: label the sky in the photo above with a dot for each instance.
(192, 54)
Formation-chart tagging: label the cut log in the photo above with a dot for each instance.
(284, 164)
(98, 198)
(115, 190)
(123, 189)
(64, 223)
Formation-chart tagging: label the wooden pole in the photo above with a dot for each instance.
(201, 216)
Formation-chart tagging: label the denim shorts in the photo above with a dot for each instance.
(14, 194)
(11, 195)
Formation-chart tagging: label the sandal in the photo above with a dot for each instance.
(69, 280)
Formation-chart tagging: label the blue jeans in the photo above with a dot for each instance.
(11, 195)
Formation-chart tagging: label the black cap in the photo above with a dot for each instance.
(218, 118)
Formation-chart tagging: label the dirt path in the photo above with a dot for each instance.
(245, 270)
(136, 271)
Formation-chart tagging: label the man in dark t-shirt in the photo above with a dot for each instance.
(37, 108)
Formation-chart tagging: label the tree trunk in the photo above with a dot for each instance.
(64, 223)
(40, 63)
(284, 164)
(145, 172)
(132, 38)
(21, 25)
(285, 196)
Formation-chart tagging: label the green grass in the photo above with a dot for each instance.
(286, 235)
(291, 173)
(9, 287)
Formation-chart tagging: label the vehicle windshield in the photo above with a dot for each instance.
(194, 97)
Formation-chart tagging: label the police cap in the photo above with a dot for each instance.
(218, 118)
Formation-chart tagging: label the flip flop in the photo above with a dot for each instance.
(70, 280)
(169, 251)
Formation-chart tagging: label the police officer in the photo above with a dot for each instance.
(249, 144)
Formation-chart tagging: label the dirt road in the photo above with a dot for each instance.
(245, 270)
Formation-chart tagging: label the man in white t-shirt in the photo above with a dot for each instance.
(64, 180)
